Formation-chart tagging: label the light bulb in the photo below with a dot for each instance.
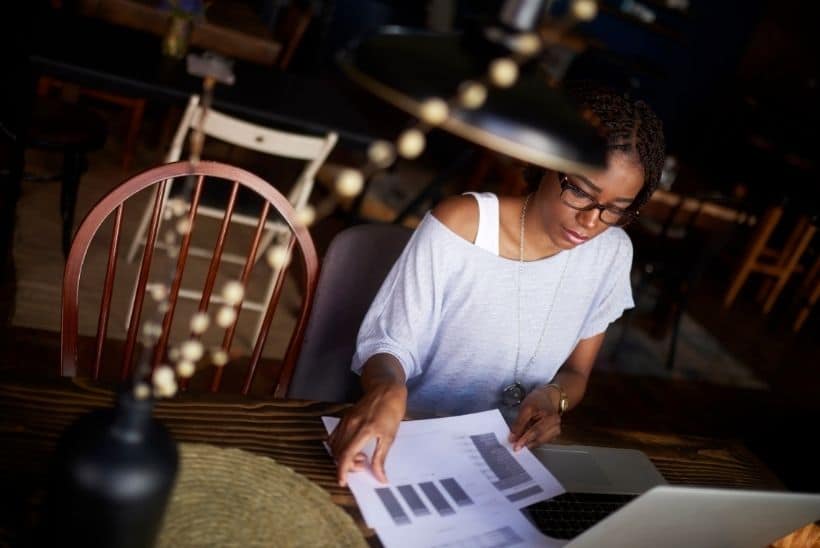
(411, 143)
(306, 215)
(434, 111)
(472, 94)
(200, 322)
(381, 153)
(584, 10)
(186, 369)
(226, 316)
(191, 350)
(233, 292)
(503, 72)
(277, 256)
(219, 357)
(183, 226)
(526, 44)
(349, 183)
(142, 391)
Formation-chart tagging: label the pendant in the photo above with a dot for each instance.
(513, 394)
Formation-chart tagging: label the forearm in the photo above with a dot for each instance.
(383, 371)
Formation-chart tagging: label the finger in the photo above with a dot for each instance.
(379, 456)
(521, 421)
(538, 424)
(545, 436)
(360, 462)
(345, 460)
(525, 438)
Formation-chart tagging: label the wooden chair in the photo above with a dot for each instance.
(312, 150)
(74, 132)
(778, 264)
(162, 177)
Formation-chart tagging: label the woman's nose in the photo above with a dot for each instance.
(588, 219)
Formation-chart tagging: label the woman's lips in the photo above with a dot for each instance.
(574, 237)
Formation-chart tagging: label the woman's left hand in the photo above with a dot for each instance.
(538, 420)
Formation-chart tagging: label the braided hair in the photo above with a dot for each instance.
(629, 126)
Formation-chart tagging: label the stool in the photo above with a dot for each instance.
(134, 105)
(779, 264)
(72, 131)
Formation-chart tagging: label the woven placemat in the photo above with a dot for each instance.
(230, 497)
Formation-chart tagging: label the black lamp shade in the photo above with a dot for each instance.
(529, 120)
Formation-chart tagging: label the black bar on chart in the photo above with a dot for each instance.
(413, 500)
(391, 504)
(456, 492)
(534, 490)
(436, 498)
(508, 471)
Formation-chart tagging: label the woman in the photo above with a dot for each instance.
(504, 302)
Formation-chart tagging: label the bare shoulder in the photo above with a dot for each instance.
(459, 214)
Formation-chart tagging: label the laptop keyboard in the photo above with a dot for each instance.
(567, 516)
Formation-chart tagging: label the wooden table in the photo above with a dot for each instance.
(252, 43)
(33, 413)
(90, 52)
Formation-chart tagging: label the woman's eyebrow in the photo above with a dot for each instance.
(597, 189)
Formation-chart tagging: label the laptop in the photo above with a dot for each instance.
(617, 498)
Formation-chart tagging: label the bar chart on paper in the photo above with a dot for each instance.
(454, 481)
(500, 467)
(443, 497)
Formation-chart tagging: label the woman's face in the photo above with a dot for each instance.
(616, 187)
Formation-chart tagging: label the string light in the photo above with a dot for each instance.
(165, 384)
(349, 183)
(226, 316)
(200, 322)
(381, 154)
(233, 292)
(186, 369)
(158, 292)
(306, 215)
(191, 350)
(219, 357)
(142, 391)
(183, 226)
(411, 143)
(503, 72)
(277, 257)
(434, 111)
(527, 44)
(472, 94)
(584, 10)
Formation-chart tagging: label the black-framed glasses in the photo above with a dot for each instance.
(576, 198)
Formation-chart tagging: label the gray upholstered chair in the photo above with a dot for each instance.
(352, 272)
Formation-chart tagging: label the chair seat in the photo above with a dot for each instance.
(56, 125)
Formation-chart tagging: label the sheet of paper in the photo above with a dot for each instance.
(451, 479)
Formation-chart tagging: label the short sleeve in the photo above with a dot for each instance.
(403, 317)
(615, 292)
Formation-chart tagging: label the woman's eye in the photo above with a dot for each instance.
(578, 192)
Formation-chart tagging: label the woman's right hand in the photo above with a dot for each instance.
(376, 415)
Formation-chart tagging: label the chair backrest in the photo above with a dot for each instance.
(114, 202)
(313, 150)
(353, 270)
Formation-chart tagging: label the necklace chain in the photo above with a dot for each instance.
(516, 379)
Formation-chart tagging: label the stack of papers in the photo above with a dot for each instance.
(454, 482)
